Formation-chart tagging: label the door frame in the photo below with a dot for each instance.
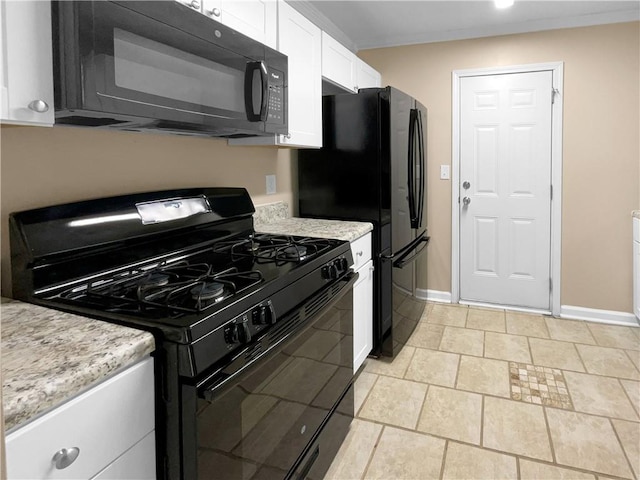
(557, 70)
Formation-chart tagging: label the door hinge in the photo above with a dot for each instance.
(550, 285)
(551, 192)
(554, 92)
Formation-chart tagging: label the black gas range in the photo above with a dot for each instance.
(253, 331)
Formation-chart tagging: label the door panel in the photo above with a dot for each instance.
(505, 156)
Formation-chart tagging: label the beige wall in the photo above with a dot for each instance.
(46, 166)
(601, 158)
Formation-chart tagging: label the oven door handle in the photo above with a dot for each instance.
(288, 328)
(249, 91)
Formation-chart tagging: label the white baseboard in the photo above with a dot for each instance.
(566, 311)
(433, 295)
(595, 315)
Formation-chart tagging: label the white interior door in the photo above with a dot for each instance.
(505, 189)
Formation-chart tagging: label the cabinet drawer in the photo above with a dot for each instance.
(102, 423)
(139, 462)
(361, 250)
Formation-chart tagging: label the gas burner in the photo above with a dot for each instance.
(207, 291)
(155, 279)
(293, 252)
(251, 246)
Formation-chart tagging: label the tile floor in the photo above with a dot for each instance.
(446, 406)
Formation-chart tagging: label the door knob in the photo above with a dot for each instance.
(466, 201)
(466, 185)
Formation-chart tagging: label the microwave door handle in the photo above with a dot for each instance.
(249, 99)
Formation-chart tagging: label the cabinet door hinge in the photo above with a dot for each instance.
(554, 92)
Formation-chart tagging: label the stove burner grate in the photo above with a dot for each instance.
(175, 289)
(266, 248)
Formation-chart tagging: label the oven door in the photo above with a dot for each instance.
(282, 408)
(158, 65)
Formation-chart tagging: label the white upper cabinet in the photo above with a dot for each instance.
(342, 67)
(257, 19)
(301, 41)
(195, 4)
(338, 63)
(26, 66)
(366, 76)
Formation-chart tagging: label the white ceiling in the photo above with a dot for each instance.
(383, 23)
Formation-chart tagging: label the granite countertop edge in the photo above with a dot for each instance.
(50, 357)
(314, 227)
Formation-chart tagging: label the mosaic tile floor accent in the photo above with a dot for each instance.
(539, 385)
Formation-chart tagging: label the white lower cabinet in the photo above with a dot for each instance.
(110, 426)
(136, 463)
(362, 300)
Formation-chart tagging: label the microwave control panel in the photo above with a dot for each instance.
(276, 97)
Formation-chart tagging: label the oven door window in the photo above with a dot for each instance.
(261, 423)
(142, 66)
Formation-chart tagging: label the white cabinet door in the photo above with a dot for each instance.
(301, 41)
(338, 63)
(257, 19)
(363, 315)
(102, 423)
(26, 79)
(367, 76)
(195, 4)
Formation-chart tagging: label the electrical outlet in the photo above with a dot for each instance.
(271, 184)
(444, 172)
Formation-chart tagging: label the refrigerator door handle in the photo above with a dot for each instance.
(405, 259)
(422, 155)
(413, 118)
(407, 248)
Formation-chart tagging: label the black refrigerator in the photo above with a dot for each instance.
(372, 168)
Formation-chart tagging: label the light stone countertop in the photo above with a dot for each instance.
(49, 357)
(636, 214)
(312, 227)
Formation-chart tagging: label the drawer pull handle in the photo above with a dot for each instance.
(65, 457)
(359, 253)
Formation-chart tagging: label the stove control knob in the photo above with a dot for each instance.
(231, 334)
(263, 316)
(244, 331)
(332, 271)
(239, 333)
(344, 264)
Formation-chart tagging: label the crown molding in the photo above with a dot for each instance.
(321, 21)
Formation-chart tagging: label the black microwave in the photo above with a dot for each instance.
(161, 66)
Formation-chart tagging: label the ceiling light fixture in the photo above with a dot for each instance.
(503, 3)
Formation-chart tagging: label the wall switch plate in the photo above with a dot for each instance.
(271, 184)
(444, 172)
